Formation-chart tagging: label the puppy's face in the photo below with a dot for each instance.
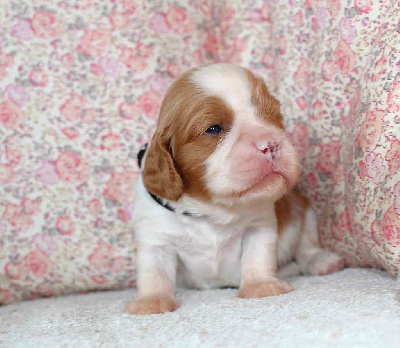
(220, 138)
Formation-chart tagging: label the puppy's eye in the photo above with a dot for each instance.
(214, 129)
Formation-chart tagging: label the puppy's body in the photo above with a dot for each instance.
(223, 163)
(209, 246)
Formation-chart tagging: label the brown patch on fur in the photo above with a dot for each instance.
(283, 213)
(175, 160)
(268, 107)
(193, 147)
(284, 206)
(160, 175)
(152, 305)
(303, 200)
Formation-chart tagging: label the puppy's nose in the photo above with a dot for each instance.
(270, 149)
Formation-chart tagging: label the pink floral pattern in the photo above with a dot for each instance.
(81, 84)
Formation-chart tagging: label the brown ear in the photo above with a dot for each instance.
(160, 175)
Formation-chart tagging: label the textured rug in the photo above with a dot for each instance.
(352, 308)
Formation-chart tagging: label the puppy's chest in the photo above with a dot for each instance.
(209, 255)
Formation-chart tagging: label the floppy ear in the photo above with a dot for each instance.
(160, 175)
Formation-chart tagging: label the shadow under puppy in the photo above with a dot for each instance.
(214, 206)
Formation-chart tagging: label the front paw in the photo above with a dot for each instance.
(266, 288)
(151, 305)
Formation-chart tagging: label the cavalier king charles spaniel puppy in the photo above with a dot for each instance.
(216, 205)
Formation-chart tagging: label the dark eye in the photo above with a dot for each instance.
(214, 129)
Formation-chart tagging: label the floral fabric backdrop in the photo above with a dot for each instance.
(81, 82)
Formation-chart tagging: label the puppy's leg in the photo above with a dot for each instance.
(312, 259)
(156, 282)
(259, 265)
(290, 270)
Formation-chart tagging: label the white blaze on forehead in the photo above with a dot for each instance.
(228, 82)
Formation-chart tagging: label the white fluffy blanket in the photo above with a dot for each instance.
(353, 308)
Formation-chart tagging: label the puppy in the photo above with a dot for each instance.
(214, 206)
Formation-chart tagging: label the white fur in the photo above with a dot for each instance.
(229, 82)
(215, 248)
(209, 249)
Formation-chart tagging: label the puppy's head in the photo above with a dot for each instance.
(220, 138)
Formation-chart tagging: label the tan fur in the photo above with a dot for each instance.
(193, 147)
(301, 199)
(179, 148)
(284, 207)
(160, 174)
(283, 213)
(268, 106)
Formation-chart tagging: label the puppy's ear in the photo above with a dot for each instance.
(160, 175)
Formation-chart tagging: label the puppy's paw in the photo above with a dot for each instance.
(151, 305)
(324, 262)
(263, 289)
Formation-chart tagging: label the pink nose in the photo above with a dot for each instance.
(270, 149)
